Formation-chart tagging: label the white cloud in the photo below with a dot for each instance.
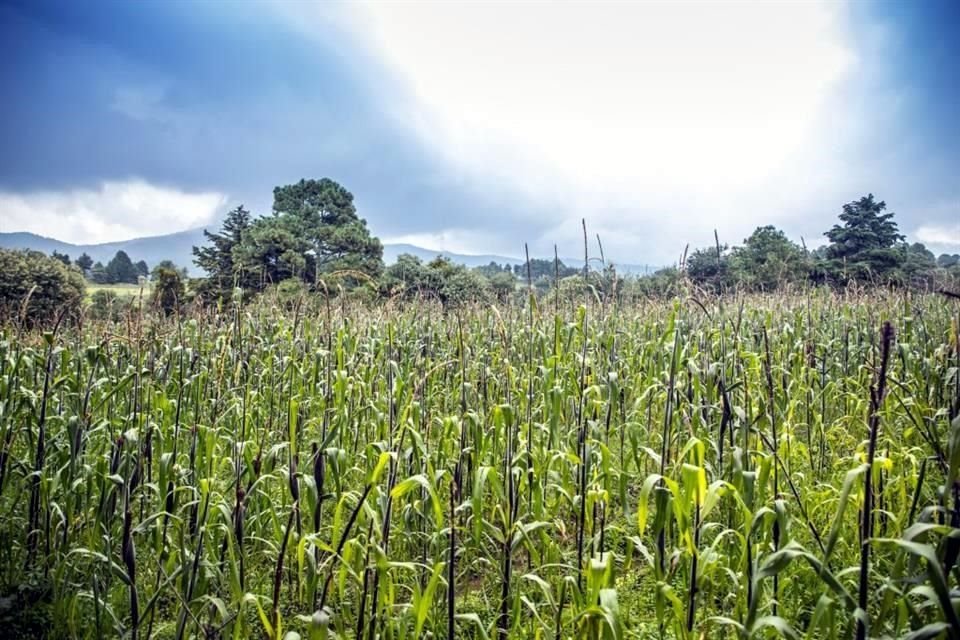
(940, 227)
(462, 241)
(945, 237)
(673, 117)
(114, 211)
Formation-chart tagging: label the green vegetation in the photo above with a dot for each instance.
(315, 237)
(119, 289)
(745, 467)
(440, 279)
(120, 270)
(35, 289)
(314, 232)
(307, 444)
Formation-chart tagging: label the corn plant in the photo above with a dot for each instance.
(565, 466)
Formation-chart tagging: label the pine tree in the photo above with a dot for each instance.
(866, 244)
(217, 258)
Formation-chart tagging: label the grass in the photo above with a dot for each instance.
(122, 288)
(550, 469)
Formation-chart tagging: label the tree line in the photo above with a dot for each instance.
(119, 270)
(866, 246)
(314, 240)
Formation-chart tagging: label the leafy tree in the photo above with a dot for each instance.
(493, 269)
(142, 269)
(121, 269)
(768, 259)
(288, 294)
(440, 279)
(85, 262)
(272, 251)
(406, 273)
(502, 285)
(710, 269)
(168, 289)
(408, 277)
(219, 258)
(865, 244)
(167, 265)
(314, 230)
(918, 266)
(661, 283)
(946, 260)
(62, 257)
(544, 268)
(322, 216)
(98, 273)
(44, 283)
(107, 304)
(458, 285)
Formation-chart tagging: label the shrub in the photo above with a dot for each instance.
(107, 304)
(46, 284)
(168, 290)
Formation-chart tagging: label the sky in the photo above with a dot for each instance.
(477, 127)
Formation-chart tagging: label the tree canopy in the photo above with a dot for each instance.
(168, 290)
(865, 244)
(768, 258)
(85, 262)
(218, 258)
(45, 284)
(313, 231)
(440, 279)
(121, 269)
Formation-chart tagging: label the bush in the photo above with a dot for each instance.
(48, 284)
(106, 304)
(440, 279)
(168, 290)
(287, 294)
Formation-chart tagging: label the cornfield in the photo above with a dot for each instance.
(742, 467)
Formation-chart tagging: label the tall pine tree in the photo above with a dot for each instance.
(866, 245)
(217, 257)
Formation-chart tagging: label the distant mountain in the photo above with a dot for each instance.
(392, 251)
(178, 247)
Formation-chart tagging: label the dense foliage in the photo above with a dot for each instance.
(314, 232)
(440, 279)
(315, 237)
(119, 270)
(737, 467)
(168, 289)
(35, 289)
(867, 248)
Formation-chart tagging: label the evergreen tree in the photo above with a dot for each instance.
(314, 230)
(120, 269)
(85, 262)
(218, 259)
(865, 245)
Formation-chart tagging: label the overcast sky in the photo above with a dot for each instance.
(477, 127)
